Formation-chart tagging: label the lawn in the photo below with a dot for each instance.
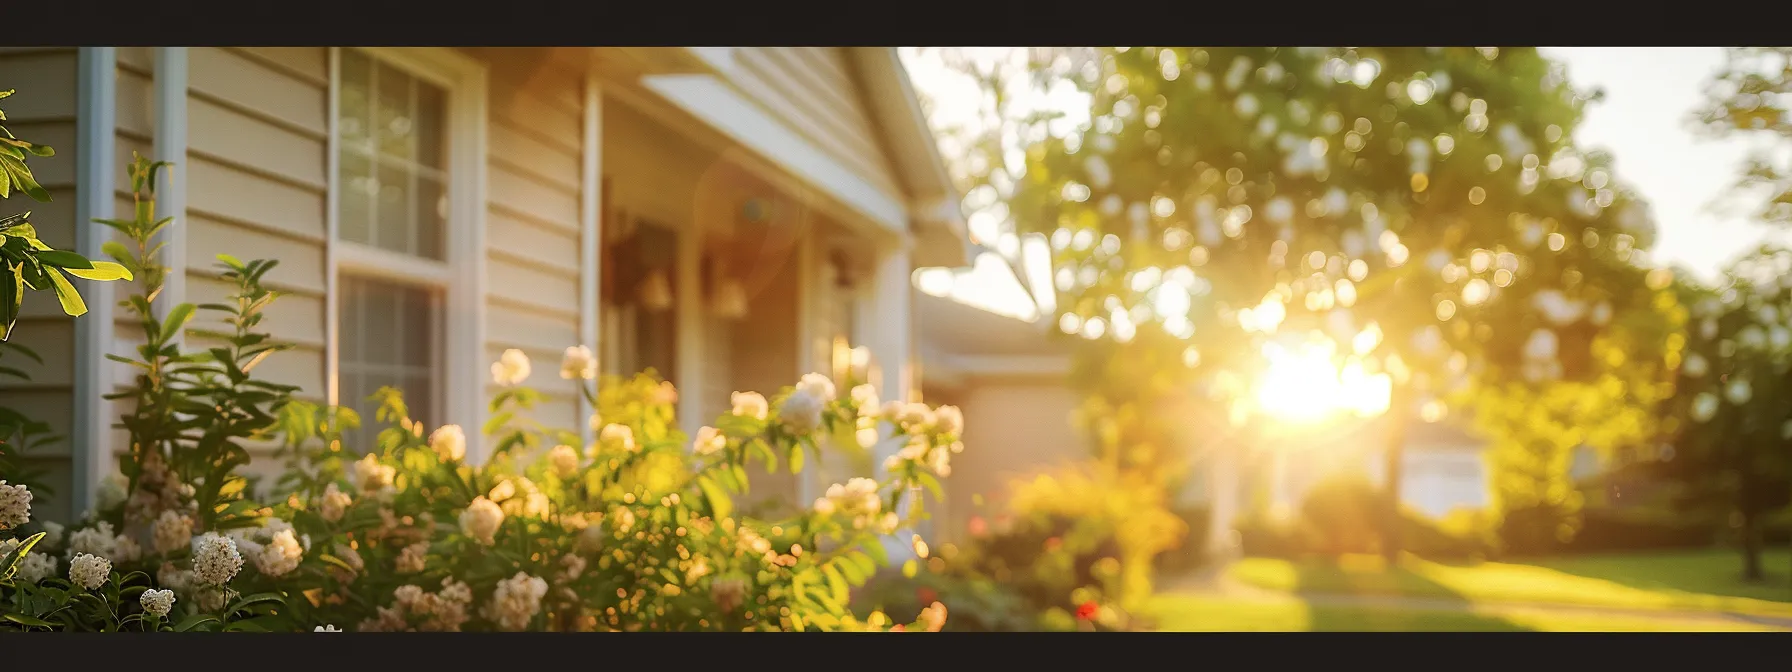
(1691, 581)
(1194, 613)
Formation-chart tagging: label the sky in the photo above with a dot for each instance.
(1642, 122)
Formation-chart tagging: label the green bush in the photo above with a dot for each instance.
(635, 531)
(1341, 515)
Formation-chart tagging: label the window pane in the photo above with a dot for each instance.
(432, 217)
(392, 109)
(392, 225)
(395, 326)
(358, 186)
(432, 138)
(417, 329)
(394, 145)
(357, 92)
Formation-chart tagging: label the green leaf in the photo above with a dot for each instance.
(31, 621)
(177, 318)
(65, 292)
(720, 503)
(63, 259)
(101, 271)
(18, 553)
(837, 584)
(195, 621)
(11, 293)
(258, 598)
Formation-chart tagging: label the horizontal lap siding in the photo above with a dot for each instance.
(257, 150)
(535, 144)
(812, 90)
(257, 188)
(43, 111)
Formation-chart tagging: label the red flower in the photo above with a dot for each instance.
(977, 526)
(1087, 610)
(926, 595)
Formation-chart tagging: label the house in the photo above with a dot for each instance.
(731, 217)
(1008, 375)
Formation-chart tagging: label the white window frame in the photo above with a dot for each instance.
(460, 275)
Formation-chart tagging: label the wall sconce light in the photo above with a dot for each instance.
(655, 292)
(728, 299)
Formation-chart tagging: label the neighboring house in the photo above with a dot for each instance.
(1009, 377)
(732, 217)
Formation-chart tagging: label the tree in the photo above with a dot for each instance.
(1414, 205)
(1752, 97)
(1735, 392)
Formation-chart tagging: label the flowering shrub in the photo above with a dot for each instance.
(633, 531)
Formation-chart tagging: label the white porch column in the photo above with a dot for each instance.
(887, 326)
(95, 164)
(171, 197)
(591, 236)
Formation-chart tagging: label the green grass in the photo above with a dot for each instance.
(1691, 581)
(1190, 613)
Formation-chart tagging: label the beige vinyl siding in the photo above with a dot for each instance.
(257, 186)
(535, 141)
(43, 111)
(813, 91)
(257, 150)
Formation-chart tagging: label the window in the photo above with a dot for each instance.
(393, 158)
(407, 173)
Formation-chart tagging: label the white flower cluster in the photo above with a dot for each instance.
(15, 505)
(171, 532)
(515, 601)
(373, 477)
(281, 555)
(35, 567)
(181, 581)
(709, 441)
(933, 617)
(413, 558)
(748, 405)
(864, 398)
(919, 450)
(564, 461)
(449, 442)
(857, 500)
(442, 611)
(102, 541)
(326, 628)
(519, 496)
(801, 410)
(334, 503)
(481, 520)
(215, 559)
(157, 602)
(158, 489)
(578, 363)
(617, 438)
(89, 571)
(511, 369)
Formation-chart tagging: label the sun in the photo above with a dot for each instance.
(1305, 383)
